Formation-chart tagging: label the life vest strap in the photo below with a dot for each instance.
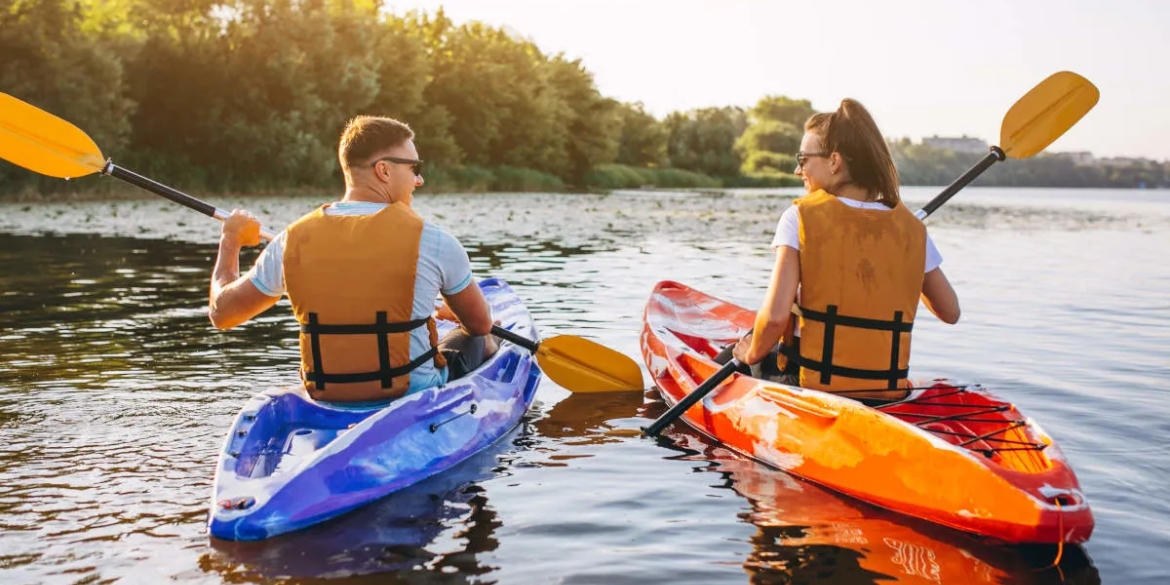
(379, 327)
(832, 319)
(385, 375)
(860, 322)
(893, 375)
(382, 328)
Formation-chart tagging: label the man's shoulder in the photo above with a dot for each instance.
(437, 231)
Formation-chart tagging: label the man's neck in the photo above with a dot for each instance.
(363, 193)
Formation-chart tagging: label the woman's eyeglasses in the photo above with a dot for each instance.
(802, 157)
(416, 165)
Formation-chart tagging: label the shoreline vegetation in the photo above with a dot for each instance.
(248, 96)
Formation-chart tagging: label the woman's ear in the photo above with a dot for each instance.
(835, 162)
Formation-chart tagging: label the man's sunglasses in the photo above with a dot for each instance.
(416, 165)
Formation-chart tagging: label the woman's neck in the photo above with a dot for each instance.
(852, 191)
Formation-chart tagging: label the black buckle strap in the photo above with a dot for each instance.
(832, 319)
(893, 374)
(382, 328)
(385, 375)
(896, 325)
(379, 327)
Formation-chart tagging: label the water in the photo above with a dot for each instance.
(117, 392)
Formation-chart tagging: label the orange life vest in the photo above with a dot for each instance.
(350, 280)
(861, 273)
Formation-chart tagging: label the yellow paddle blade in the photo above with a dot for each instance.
(1046, 113)
(580, 365)
(43, 143)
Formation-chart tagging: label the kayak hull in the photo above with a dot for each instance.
(290, 462)
(951, 454)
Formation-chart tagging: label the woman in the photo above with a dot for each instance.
(861, 261)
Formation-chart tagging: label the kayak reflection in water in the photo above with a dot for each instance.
(861, 261)
(362, 275)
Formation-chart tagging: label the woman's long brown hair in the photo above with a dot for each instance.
(851, 132)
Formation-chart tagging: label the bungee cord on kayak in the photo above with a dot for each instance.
(999, 425)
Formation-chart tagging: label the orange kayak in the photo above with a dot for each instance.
(951, 454)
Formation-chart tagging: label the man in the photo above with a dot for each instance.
(362, 275)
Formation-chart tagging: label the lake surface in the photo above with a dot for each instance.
(117, 392)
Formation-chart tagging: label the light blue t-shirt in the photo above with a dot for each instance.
(443, 267)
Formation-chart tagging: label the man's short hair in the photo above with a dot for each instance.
(365, 136)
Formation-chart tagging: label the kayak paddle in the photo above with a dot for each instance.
(580, 365)
(1036, 120)
(41, 142)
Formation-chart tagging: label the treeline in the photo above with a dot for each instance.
(919, 164)
(250, 95)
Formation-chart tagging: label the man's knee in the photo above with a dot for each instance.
(464, 352)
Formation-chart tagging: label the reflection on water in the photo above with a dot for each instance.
(805, 532)
(117, 392)
(442, 526)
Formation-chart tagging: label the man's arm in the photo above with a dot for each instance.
(233, 300)
(471, 309)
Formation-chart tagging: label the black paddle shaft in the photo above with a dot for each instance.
(159, 189)
(992, 157)
(519, 340)
(690, 399)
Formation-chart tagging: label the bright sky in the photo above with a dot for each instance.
(922, 67)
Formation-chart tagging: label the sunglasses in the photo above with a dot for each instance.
(416, 165)
(802, 157)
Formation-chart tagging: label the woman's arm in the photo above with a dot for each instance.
(940, 297)
(773, 315)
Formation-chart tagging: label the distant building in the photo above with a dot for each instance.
(961, 144)
(1123, 161)
(1083, 159)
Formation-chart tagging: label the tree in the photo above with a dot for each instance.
(48, 61)
(769, 143)
(643, 138)
(255, 95)
(783, 109)
(703, 140)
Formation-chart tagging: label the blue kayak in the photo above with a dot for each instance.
(290, 462)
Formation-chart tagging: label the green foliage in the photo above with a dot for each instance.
(592, 120)
(784, 109)
(47, 60)
(643, 138)
(475, 179)
(764, 179)
(919, 164)
(239, 95)
(768, 137)
(462, 179)
(517, 179)
(616, 176)
(769, 144)
(703, 140)
(261, 97)
(765, 162)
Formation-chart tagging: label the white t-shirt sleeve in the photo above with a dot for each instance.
(454, 265)
(788, 234)
(933, 257)
(788, 229)
(267, 274)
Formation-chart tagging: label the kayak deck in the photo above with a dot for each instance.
(289, 462)
(952, 454)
